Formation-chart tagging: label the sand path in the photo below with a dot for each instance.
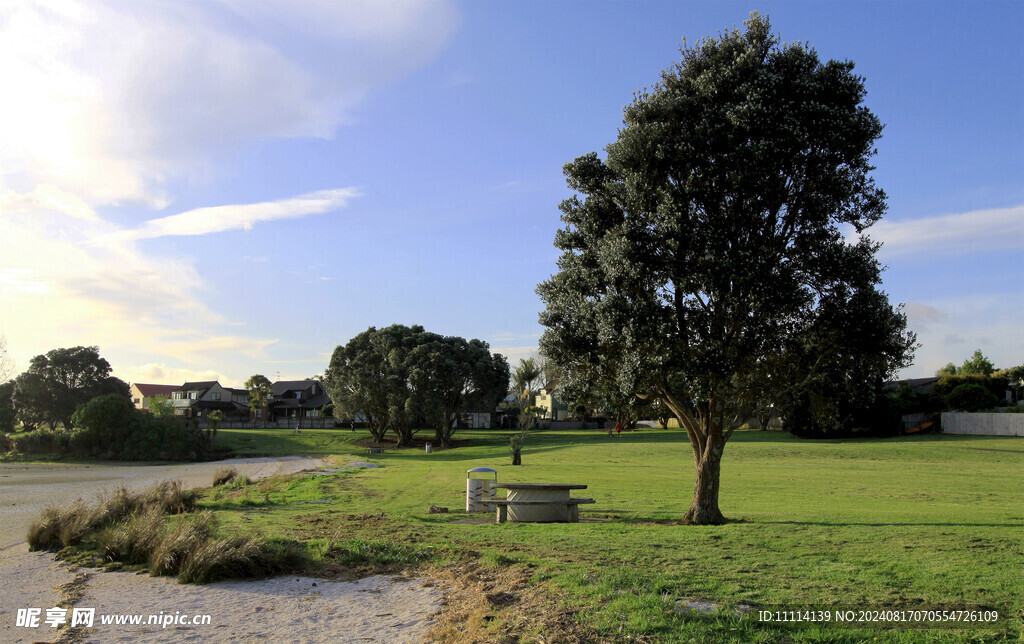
(290, 609)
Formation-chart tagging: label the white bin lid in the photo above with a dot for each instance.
(481, 469)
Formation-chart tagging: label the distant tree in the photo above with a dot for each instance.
(57, 383)
(402, 378)
(7, 416)
(259, 388)
(970, 397)
(977, 365)
(161, 406)
(699, 250)
(450, 375)
(359, 381)
(215, 418)
(857, 342)
(525, 382)
(1012, 374)
(994, 384)
(948, 370)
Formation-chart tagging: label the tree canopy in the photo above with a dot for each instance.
(402, 378)
(704, 262)
(57, 383)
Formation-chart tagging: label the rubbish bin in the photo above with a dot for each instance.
(480, 489)
(429, 448)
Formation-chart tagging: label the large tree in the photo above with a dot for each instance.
(700, 251)
(450, 375)
(357, 381)
(402, 378)
(57, 383)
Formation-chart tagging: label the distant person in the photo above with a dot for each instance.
(618, 429)
(298, 423)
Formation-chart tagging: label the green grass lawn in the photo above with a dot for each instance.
(900, 523)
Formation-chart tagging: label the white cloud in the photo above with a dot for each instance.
(515, 354)
(203, 221)
(110, 100)
(968, 232)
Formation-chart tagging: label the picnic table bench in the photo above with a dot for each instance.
(539, 503)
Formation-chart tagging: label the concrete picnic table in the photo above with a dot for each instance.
(539, 503)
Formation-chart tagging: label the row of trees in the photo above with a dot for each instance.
(400, 379)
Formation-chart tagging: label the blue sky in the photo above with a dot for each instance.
(216, 189)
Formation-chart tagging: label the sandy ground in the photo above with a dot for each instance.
(290, 609)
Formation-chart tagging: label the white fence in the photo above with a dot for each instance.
(954, 422)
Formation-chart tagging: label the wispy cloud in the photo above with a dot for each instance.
(968, 232)
(215, 219)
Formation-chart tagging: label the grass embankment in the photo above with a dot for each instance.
(903, 523)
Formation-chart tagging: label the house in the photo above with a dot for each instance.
(297, 399)
(552, 408)
(143, 394)
(197, 399)
(917, 385)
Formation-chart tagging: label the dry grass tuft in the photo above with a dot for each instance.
(239, 558)
(501, 605)
(45, 530)
(132, 541)
(186, 537)
(224, 476)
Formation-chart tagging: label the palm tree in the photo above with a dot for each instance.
(524, 384)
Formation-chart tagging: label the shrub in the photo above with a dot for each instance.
(43, 441)
(224, 476)
(970, 397)
(111, 427)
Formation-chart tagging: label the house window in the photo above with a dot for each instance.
(177, 395)
(215, 397)
(135, 401)
(193, 395)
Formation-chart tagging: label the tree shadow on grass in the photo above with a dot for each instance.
(900, 524)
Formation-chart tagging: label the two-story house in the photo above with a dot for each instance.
(298, 399)
(197, 399)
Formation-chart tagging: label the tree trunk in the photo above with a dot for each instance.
(517, 457)
(704, 509)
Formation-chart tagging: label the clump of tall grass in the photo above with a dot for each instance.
(68, 525)
(184, 538)
(224, 476)
(240, 558)
(170, 497)
(241, 482)
(134, 540)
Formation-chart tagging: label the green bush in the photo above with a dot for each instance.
(996, 385)
(110, 427)
(970, 397)
(43, 441)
